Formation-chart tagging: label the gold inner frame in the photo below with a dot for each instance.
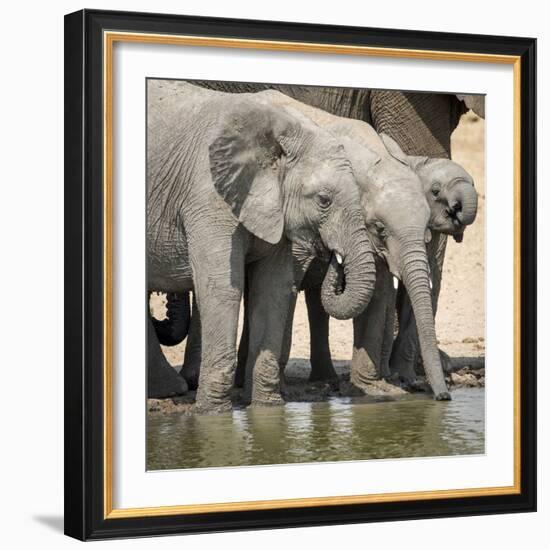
(109, 39)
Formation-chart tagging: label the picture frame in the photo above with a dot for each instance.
(90, 36)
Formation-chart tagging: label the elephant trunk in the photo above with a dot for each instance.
(463, 202)
(349, 281)
(415, 274)
(172, 330)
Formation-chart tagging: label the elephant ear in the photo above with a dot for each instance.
(245, 163)
(394, 150)
(362, 158)
(397, 153)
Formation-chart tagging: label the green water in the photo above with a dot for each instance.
(339, 429)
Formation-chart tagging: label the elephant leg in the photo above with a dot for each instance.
(242, 354)
(162, 379)
(405, 350)
(369, 335)
(287, 339)
(244, 343)
(192, 358)
(421, 123)
(270, 294)
(218, 282)
(387, 342)
(320, 358)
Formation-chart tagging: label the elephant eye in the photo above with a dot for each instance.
(323, 200)
(436, 189)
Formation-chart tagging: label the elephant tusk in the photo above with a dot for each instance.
(431, 284)
(395, 282)
(339, 258)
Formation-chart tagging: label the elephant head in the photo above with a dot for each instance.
(397, 215)
(449, 189)
(281, 174)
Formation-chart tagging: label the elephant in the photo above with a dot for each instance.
(235, 184)
(450, 191)
(421, 124)
(446, 185)
(396, 214)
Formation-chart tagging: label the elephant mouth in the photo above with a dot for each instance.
(337, 261)
(449, 222)
(319, 250)
(460, 210)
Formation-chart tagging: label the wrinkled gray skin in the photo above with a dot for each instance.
(451, 194)
(421, 124)
(445, 184)
(397, 214)
(235, 184)
(447, 188)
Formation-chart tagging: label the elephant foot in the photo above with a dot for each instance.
(446, 363)
(206, 408)
(363, 368)
(378, 387)
(267, 401)
(322, 369)
(443, 396)
(402, 369)
(410, 382)
(266, 396)
(323, 373)
(163, 381)
(284, 385)
(416, 385)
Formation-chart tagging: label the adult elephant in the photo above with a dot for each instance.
(235, 182)
(421, 124)
(397, 214)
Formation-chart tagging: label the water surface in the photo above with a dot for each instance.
(338, 429)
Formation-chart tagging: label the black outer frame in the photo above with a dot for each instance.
(84, 275)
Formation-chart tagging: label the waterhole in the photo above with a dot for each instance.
(334, 430)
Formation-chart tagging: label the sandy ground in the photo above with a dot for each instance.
(461, 312)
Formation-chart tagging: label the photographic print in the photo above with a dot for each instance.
(299, 252)
(316, 274)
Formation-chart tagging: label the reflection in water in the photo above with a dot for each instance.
(340, 429)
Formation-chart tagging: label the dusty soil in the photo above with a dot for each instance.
(460, 318)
